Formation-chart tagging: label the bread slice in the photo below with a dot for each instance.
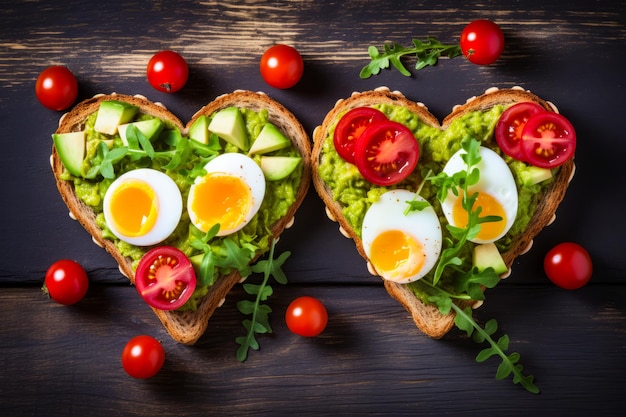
(188, 326)
(426, 316)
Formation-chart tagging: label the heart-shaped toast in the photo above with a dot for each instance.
(96, 143)
(350, 198)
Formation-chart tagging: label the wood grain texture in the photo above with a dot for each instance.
(58, 360)
(370, 360)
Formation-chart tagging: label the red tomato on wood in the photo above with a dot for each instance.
(143, 357)
(306, 316)
(568, 265)
(66, 282)
(167, 71)
(482, 42)
(281, 66)
(56, 88)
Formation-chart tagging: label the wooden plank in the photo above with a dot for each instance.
(371, 359)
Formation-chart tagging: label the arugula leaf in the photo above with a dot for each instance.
(427, 53)
(259, 323)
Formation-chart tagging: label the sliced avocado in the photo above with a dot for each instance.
(150, 129)
(487, 255)
(270, 139)
(534, 175)
(229, 125)
(278, 167)
(199, 130)
(71, 149)
(113, 113)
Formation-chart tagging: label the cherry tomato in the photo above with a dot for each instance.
(350, 127)
(281, 66)
(306, 316)
(167, 71)
(549, 140)
(386, 153)
(482, 42)
(568, 265)
(510, 126)
(66, 282)
(165, 278)
(56, 88)
(143, 357)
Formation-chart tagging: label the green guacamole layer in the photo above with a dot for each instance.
(279, 195)
(356, 195)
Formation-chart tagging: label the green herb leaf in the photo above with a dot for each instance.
(259, 323)
(426, 52)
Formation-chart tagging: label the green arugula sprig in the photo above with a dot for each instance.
(259, 322)
(427, 53)
(140, 147)
(468, 285)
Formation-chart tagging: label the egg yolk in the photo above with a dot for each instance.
(489, 207)
(220, 198)
(134, 208)
(396, 255)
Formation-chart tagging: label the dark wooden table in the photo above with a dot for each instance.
(65, 361)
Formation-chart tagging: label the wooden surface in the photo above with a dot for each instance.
(65, 361)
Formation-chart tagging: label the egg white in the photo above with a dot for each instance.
(240, 166)
(169, 204)
(388, 214)
(495, 179)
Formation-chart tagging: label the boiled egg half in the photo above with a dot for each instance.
(401, 247)
(497, 195)
(142, 207)
(230, 194)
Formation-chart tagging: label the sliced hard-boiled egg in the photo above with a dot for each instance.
(143, 207)
(497, 195)
(230, 194)
(401, 247)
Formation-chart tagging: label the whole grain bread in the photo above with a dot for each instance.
(188, 326)
(426, 316)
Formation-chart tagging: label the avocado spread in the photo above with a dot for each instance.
(356, 195)
(256, 235)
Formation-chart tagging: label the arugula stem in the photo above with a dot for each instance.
(519, 377)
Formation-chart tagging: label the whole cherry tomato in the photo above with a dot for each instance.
(306, 316)
(56, 88)
(281, 66)
(66, 282)
(568, 265)
(143, 357)
(167, 71)
(482, 42)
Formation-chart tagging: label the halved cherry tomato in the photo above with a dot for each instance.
(165, 278)
(549, 140)
(386, 153)
(510, 126)
(350, 127)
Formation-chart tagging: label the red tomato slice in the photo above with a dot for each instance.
(549, 140)
(350, 127)
(165, 278)
(510, 126)
(386, 153)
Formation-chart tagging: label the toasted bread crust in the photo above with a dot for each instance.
(427, 317)
(184, 327)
